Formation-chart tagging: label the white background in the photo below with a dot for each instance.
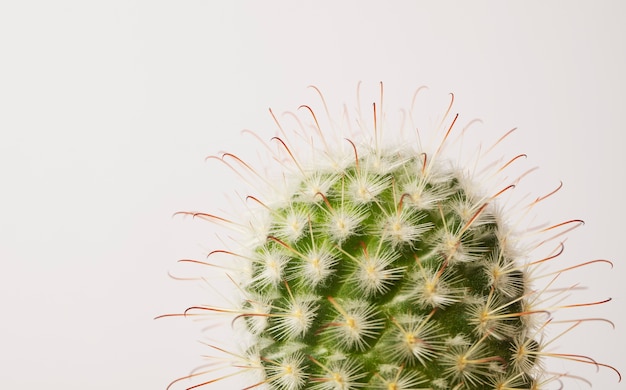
(108, 108)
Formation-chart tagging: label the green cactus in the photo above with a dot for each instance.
(387, 268)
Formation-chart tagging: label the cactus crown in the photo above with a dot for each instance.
(388, 268)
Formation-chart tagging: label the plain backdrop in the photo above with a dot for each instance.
(108, 109)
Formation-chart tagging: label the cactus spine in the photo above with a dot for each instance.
(386, 267)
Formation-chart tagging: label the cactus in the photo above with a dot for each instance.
(387, 266)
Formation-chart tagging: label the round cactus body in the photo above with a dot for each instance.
(390, 275)
(386, 267)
